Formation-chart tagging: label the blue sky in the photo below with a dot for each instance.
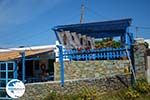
(29, 22)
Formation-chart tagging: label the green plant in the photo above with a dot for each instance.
(83, 93)
(107, 43)
(131, 94)
(139, 92)
(87, 93)
(51, 96)
(142, 86)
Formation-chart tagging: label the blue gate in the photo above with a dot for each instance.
(8, 71)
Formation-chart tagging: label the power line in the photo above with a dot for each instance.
(96, 13)
(143, 27)
(83, 8)
(138, 30)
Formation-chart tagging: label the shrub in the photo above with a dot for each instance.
(139, 92)
(51, 96)
(85, 93)
(142, 86)
(131, 94)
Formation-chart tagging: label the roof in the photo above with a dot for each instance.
(28, 48)
(15, 54)
(98, 29)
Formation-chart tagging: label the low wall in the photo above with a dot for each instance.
(101, 68)
(94, 70)
(38, 91)
(91, 69)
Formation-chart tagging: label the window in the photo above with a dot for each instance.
(2, 74)
(3, 66)
(10, 74)
(10, 66)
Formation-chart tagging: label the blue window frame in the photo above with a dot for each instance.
(8, 71)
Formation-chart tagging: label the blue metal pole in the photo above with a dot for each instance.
(57, 36)
(23, 66)
(123, 40)
(15, 70)
(61, 64)
(6, 72)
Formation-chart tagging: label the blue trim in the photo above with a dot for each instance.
(37, 58)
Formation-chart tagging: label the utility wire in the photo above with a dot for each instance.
(141, 27)
(95, 13)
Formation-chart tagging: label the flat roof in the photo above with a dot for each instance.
(98, 29)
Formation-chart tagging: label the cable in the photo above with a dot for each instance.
(140, 27)
(94, 12)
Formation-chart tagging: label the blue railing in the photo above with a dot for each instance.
(96, 54)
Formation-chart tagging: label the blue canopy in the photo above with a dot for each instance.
(98, 29)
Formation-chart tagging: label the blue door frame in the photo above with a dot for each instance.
(8, 71)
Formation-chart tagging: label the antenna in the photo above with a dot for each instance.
(82, 12)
